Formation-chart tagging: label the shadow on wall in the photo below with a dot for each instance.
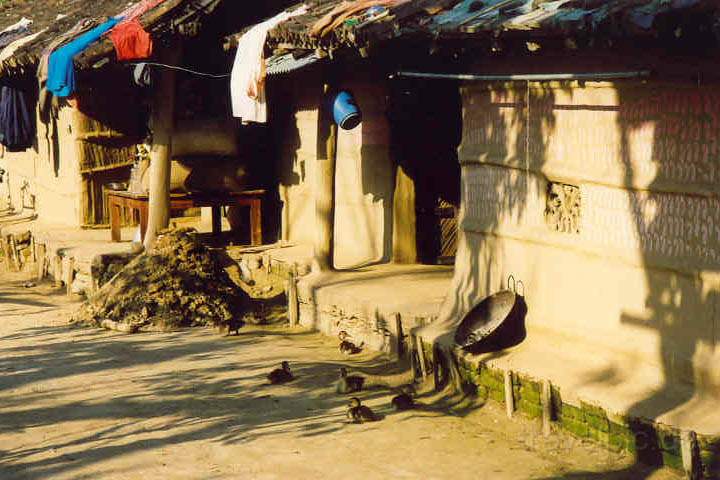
(681, 231)
(674, 212)
(364, 175)
(498, 130)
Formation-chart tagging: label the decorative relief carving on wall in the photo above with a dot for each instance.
(669, 230)
(562, 213)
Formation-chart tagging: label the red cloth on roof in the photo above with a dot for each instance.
(131, 41)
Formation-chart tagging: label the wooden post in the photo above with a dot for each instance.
(421, 357)
(57, 271)
(256, 222)
(325, 187)
(41, 261)
(14, 257)
(162, 126)
(292, 296)
(509, 399)
(69, 276)
(400, 346)
(216, 218)
(33, 249)
(546, 400)
(404, 219)
(690, 454)
(4, 243)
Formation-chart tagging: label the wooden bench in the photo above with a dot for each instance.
(139, 202)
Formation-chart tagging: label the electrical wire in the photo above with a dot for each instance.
(183, 69)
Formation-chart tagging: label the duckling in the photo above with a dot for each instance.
(280, 375)
(234, 325)
(346, 346)
(359, 413)
(403, 401)
(349, 383)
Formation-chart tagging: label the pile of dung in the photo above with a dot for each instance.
(179, 283)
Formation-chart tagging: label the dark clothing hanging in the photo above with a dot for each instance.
(17, 119)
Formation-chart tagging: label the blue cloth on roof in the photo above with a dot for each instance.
(61, 70)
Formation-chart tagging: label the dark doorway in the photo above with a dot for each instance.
(426, 125)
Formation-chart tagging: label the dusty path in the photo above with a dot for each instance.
(90, 404)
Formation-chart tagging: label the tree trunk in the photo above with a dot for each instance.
(162, 126)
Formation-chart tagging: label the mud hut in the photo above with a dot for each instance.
(91, 139)
(577, 139)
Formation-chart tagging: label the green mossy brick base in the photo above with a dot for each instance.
(651, 442)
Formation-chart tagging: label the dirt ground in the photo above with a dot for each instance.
(92, 404)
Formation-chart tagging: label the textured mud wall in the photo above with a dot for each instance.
(364, 175)
(51, 173)
(603, 200)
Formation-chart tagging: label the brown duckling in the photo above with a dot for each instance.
(234, 325)
(349, 383)
(346, 346)
(359, 413)
(280, 375)
(403, 401)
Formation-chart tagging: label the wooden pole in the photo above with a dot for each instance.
(292, 296)
(400, 345)
(509, 399)
(57, 271)
(41, 260)
(325, 187)
(421, 357)
(162, 126)
(546, 400)
(14, 257)
(689, 452)
(33, 249)
(4, 243)
(69, 276)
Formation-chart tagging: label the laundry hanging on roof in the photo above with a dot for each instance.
(247, 81)
(45, 97)
(131, 41)
(23, 23)
(10, 49)
(342, 12)
(61, 69)
(17, 119)
(136, 11)
(15, 32)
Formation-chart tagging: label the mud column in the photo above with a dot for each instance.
(323, 248)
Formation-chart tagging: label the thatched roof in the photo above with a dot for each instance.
(58, 16)
(492, 19)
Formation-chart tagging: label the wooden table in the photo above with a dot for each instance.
(139, 202)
